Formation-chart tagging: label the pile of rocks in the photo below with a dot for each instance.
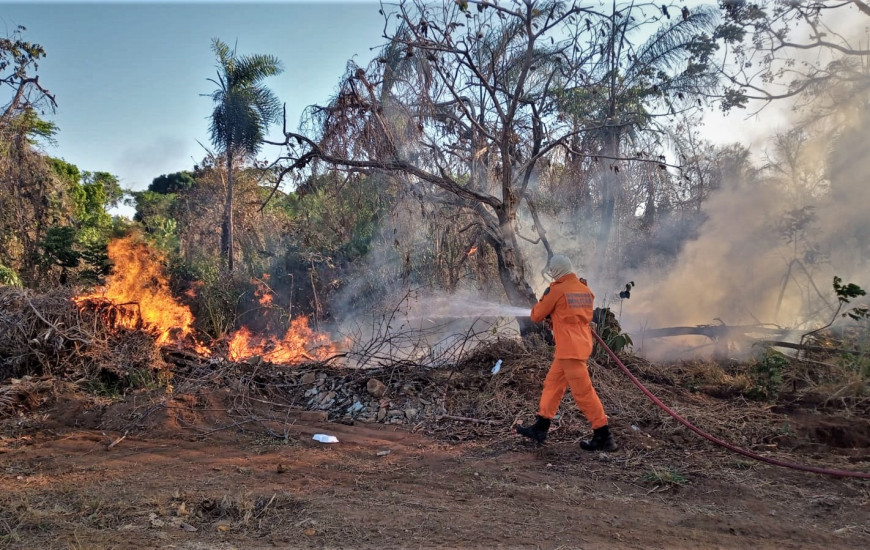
(403, 393)
(370, 397)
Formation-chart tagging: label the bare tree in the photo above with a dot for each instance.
(466, 105)
(19, 60)
(785, 49)
(32, 198)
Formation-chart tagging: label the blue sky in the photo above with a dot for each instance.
(128, 75)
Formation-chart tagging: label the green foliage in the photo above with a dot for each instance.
(9, 277)
(35, 128)
(111, 385)
(766, 373)
(59, 247)
(155, 211)
(607, 327)
(163, 233)
(665, 478)
(18, 58)
(335, 218)
(107, 190)
(172, 183)
(67, 248)
(95, 257)
(82, 244)
(795, 223)
(91, 193)
(847, 292)
(148, 379)
(734, 98)
(859, 364)
(216, 297)
(104, 384)
(66, 171)
(17, 54)
(616, 341)
(243, 111)
(243, 107)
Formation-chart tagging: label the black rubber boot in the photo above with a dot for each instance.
(537, 431)
(601, 440)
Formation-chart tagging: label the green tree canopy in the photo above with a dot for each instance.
(172, 183)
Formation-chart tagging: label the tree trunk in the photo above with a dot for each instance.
(512, 272)
(611, 188)
(227, 245)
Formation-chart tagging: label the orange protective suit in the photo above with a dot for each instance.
(569, 303)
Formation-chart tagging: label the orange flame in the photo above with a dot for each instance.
(138, 281)
(299, 344)
(262, 291)
(138, 278)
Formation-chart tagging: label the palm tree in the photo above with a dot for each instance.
(243, 110)
(633, 87)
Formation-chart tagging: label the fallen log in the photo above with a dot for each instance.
(819, 349)
(714, 332)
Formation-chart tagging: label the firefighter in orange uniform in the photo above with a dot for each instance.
(568, 303)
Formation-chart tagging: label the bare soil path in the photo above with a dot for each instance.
(388, 487)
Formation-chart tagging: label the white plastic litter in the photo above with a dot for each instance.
(497, 367)
(323, 438)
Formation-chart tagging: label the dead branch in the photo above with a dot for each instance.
(714, 332)
(804, 347)
(115, 442)
(472, 420)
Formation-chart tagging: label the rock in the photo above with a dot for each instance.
(155, 520)
(314, 416)
(382, 413)
(328, 397)
(308, 378)
(410, 414)
(375, 387)
(187, 527)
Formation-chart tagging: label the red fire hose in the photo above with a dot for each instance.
(717, 441)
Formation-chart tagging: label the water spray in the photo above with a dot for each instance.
(453, 307)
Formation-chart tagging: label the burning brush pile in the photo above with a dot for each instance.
(134, 334)
(48, 334)
(125, 331)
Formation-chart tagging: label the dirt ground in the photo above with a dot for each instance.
(67, 483)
